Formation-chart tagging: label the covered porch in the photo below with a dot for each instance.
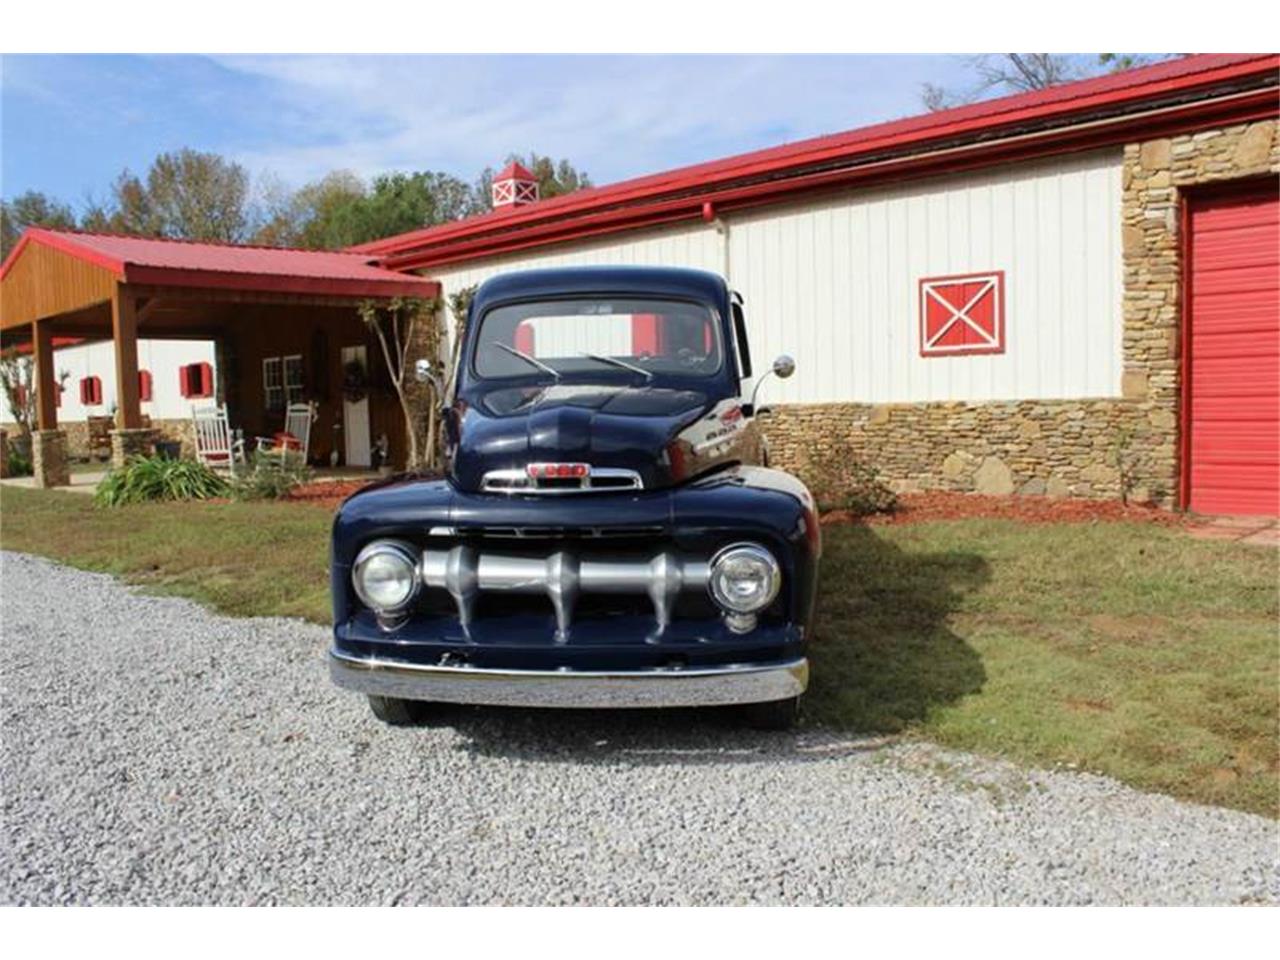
(285, 324)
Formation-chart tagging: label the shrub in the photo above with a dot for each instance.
(269, 477)
(20, 464)
(145, 479)
(840, 480)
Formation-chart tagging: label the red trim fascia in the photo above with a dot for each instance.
(401, 286)
(981, 118)
(1254, 105)
(1000, 343)
(63, 244)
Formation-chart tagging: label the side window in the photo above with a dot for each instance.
(294, 380)
(272, 383)
(740, 335)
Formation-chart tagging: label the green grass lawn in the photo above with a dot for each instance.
(1126, 649)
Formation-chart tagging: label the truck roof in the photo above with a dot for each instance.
(631, 281)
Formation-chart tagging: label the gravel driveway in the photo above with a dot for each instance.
(155, 753)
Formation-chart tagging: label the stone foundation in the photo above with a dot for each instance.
(130, 443)
(178, 430)
(49, 458)
(1089, 448)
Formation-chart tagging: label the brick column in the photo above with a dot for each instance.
(129, 443)
(49, 458)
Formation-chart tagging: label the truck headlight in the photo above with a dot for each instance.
(744, 580)
(385, 576)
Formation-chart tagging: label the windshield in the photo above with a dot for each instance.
(611, 338)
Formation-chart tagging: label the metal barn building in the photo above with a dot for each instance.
(1074, 292)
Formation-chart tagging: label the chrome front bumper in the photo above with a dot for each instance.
(694, 687)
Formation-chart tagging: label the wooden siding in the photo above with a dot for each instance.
(255, 332)
(836, 282)
(43, 282)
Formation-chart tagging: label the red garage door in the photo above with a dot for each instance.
(1234, 355)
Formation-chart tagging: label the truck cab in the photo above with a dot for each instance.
(608, 533)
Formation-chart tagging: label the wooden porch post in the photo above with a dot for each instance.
(46, 383)
(124, 331)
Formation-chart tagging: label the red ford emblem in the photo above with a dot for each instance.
(548, 471)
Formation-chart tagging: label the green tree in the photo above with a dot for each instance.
(31, 209)
(186, 195)
(198, 196)
(340, 210)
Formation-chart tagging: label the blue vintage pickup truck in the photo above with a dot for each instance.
(609, 533)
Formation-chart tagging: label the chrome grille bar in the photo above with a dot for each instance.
(561, 576)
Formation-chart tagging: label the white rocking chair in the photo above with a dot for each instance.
(216, 448)
(298, 418)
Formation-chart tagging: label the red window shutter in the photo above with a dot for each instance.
(144, 385)
(195, 380)
(90, 391)
(962, 315)
(524, 338)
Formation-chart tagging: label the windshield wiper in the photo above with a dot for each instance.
(528, 359)
(614, 361)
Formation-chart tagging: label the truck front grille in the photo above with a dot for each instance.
(565, 579)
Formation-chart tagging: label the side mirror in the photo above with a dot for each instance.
(782, 368)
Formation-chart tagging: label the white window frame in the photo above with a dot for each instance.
(293, 389)
(270, 391)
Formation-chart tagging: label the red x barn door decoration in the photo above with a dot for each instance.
(962, 315)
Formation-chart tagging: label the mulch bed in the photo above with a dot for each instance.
(944, 505)
(327, 493)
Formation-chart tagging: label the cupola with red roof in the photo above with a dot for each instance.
(514, 186)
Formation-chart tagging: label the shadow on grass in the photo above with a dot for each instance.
(884, 655)
(883, 658)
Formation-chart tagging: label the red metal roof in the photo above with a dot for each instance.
(189, 264)
(515, 171)
(762, 175)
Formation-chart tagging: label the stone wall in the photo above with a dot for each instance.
(1097, 448)
(1089, 448)
(77, 433)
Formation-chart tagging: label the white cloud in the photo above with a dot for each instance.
(616, 116)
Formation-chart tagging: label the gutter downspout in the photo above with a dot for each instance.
(721, 226)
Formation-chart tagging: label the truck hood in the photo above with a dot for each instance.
(651, 430)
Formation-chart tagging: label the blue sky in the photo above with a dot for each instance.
(69, 124)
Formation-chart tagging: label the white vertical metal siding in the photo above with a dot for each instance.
(162, 358)
(835, 282)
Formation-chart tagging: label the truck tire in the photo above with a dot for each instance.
(773, 715)
(398, 713)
